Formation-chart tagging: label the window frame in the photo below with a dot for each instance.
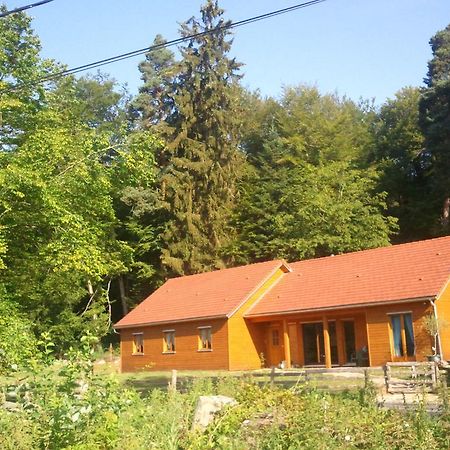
(135, 345)
(275, 337)
(166, 349)
(403, 356)
(200, 347)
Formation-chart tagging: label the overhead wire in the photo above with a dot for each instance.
(24, 8)
(173, 42)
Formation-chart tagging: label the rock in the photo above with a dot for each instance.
(11, 406)
(207, 406)
(11, 396)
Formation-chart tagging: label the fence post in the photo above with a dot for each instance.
(366, 378)
(173, 382)
(433, 375)
(272, 376)
(387, 376)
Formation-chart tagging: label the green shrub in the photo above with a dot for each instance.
(18, 345)
(59, 414)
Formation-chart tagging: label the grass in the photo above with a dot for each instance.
(144, 381)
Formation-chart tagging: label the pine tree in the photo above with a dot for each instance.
(198, 177)
(154, 103)
(435, 122)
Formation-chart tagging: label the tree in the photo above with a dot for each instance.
(199, 164)
(318, 127)
(307, 191)
(305, 211)
(58, 220)
(99, 104)
(154, 103)
(435, 124)
(399, 154)
(20, 65)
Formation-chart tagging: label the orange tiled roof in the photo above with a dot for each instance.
(210, 294)
(407, 271)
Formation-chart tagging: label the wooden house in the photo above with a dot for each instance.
(365, 308)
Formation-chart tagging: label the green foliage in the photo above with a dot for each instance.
(154, 103)
(200, 160)
(435, 124)
(307, 211)
(57, 414)
(18, 345)
(317, 128)
(103, 198)
(20, 65)
(399, 154)
(58, 220)
(308, 191)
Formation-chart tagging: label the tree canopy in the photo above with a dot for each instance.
(104, 195)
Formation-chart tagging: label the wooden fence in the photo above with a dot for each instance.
(408, 377)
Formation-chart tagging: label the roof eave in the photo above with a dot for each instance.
(166, 322)
(330, 308)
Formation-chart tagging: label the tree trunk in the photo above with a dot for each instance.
(446, 212)
(123, 299)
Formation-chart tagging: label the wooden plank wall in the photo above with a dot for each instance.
(186, 355)
(378, 329)
(443, 313)
(374, 334)
(247, 339)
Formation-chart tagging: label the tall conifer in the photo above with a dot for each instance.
(198, 180)
(435, 121)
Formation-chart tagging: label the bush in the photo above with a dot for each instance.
(67, 407)
(18, 345)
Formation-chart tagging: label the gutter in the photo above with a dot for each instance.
(433, 304)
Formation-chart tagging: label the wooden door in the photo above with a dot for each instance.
(275, 345)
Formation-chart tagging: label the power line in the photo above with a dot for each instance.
(173, 42)
(24, 8)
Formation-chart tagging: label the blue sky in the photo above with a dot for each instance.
(360, 48)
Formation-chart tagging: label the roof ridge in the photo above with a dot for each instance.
(368, 250)
(273, 261)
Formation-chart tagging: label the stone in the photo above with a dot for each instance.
(11, 406)
(11, 396)
(207, 407)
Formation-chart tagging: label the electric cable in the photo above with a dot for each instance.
(226, 26)
(24, 8)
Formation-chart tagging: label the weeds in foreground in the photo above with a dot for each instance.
(74, 409)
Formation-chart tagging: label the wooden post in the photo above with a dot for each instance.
(272, 376)
(111, 353)
(340, 343)
(287, 345)
(433, 375)
(326, 343)
(173, 382)
(387, 376)
(301, 353)
(366, 378)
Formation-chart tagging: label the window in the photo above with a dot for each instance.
(402, 335)
(138, 343)
(169, 341)
(275, 338)
(204, 339)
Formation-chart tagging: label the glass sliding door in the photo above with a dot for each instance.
(349, 341)
(313, 346)
(403, 345)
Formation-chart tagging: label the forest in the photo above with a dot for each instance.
(104, 195)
